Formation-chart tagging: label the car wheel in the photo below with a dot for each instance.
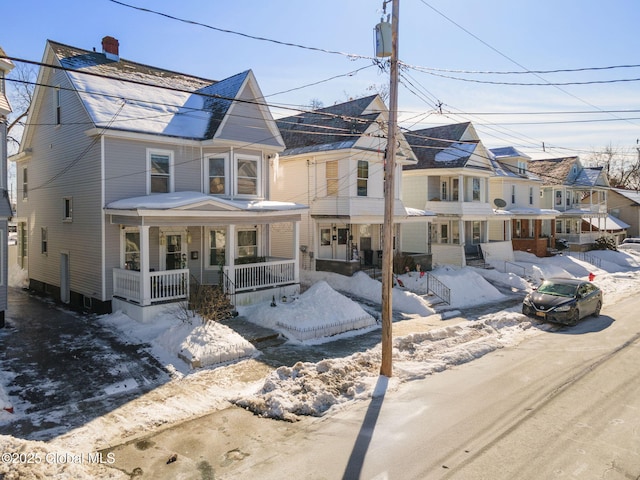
(574, 318)
(596, 312)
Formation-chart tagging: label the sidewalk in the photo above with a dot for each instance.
(65, 369)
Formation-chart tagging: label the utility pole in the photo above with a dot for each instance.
(386, 367)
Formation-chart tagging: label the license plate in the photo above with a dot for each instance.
(540, 314)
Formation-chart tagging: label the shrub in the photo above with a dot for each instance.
(210, 302)
(605, 243)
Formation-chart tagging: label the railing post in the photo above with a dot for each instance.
(145, 281)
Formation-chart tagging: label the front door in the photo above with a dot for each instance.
(175, 255)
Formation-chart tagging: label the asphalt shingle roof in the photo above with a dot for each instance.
(336, 127)
(440, 147)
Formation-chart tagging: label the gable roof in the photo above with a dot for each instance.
(448, 146)
(125, 95)
(331, 128)
(559, 171)
(499, 157)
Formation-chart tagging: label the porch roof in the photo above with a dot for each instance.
(535, 212)
(611, 223)
(199, 205)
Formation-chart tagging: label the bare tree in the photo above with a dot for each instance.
(622, 166)
(20, 88)
(315, 104)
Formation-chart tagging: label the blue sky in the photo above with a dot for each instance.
(466, 35)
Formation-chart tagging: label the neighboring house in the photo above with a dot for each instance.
(334, 162)
(134, 182)
(625, 205)
(580, 195)
(515, 192)
(451, 178)
(5, 205)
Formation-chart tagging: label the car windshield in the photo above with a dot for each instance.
(559, 289)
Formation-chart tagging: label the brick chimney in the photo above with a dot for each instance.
(111, 48)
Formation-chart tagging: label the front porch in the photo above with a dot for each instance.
(206, 241)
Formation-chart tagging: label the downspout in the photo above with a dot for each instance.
(103, 253)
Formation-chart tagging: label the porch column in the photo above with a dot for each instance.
(296, 251)
(145, 287)
(231, 253)
(461, 189)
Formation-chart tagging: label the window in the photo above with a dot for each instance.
(25, 189)
(247, 243)
(332, 178)
(247, 181)
(325, 237)
(217, 247)
(513, 194)
(522, 167)
(443, 191)
(363, 177)
(455, 189)
(160, 166)
(132, 250)
(44, 241)
(57, 106)
(476, 189)
(530, 195)
(67, 215)
(217, 175)
(558, 197)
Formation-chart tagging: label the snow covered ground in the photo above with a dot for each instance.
(232, 371)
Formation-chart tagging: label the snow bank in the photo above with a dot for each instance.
(172, 336)
(318, 312)
(362, 286)
(315, 388)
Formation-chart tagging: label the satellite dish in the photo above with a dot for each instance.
(500, 203)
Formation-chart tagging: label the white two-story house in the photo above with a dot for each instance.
(334, 161)
(580, 195)
(451, 179)
(515, 194)
(135, 182)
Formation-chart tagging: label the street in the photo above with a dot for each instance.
(563, 404)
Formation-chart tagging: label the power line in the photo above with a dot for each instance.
(517, 72)
(351, 56)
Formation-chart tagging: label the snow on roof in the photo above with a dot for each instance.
(416, 212)
(167, 201)
(507, 152)
(455, 152)
(610, 223)
(633, 195)
(130, 96)
(588, 177)
(534, 211)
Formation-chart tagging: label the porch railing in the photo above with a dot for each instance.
(261, 275)
(163, 286)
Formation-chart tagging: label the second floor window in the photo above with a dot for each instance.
(513, 194)
(57, 106)
(476, 189)
(217, 175)
(25, 189)
(332, 178)
(160, 171)
(363, 177)
(247, 180)
(67, 214)
(530, 195)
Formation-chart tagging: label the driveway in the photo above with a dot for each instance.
(62, 370)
